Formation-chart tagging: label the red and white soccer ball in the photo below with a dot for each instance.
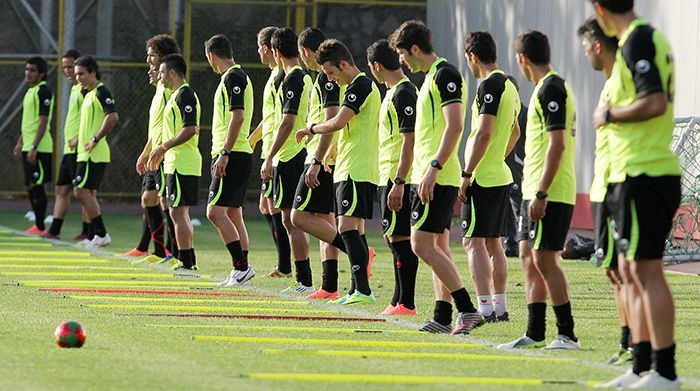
(70, 335)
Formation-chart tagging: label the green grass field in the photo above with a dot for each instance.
(126, 348)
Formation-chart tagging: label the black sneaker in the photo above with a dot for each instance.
(434, 327)
(491, 318)
(504, 317)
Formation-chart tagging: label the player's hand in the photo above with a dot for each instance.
(266, 170)
(73, 142)
(395, 198)
(31, 157)
(301, 133)
(331, 156)
(463, 190)
(17, 150)
(599, 115)
(537, 208)
(141, 164)
(427, 186)
(220, 166)
(155, 158)
(311, 176)
(90, 145)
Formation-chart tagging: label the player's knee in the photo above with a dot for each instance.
(62, 191)
(214, 214)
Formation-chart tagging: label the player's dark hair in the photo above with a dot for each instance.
(590, 29)
(412, 32)
(89, 63)
(71, 53)
(40, 63)
(333, 52)
(176, 63)
(481, 43)
(265, 35)
(382, 53)
(220, 46)
(616, 6)
(311, 38)
(534, 45)
(285, 41)
(163, 44)
(514, 81)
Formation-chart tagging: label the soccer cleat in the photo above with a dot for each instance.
(503, 318)
(432, 326)
(50, 236)
(625, 358)
(33, 230)
(99, 241)
(238, 277)
(621, 355)
(300, 288)
(401, 309)
(359, 298)
(370, 260)
(151, 259)
(84, 243)
(652, 380)
(490, 318)
(183, 268)
(275, 273)
(136, 253)
(323, 294)
(467, 321)
(341, 300)
(564, 342)
(522, 342)
(79, 237)
(387, 310)
(169, 260)
(623, 381)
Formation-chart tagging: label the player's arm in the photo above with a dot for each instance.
(323, 151)
(514, 136)
(330, 98)
(405, 104)
(292, 91)
(45, 97)
(17, 150)
(111, 117)
(235, 87)
(452, 133)
(187, 104)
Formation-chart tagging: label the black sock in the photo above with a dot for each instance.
(56, 225)
(407, 266)
(86, 228)
(91, 230)
(172, 241)
(462, 301)
(155, 224)
(99, 225)
(665, 362)
(271, 225)
(338, 243)
(37, 197)
(303, 272)
(536, 321)
(641, 357)
(245, 254)
(625, 337)
(565, 321)
(443, 312)
(284, 251)
(238, 258)
(187, 258)
(330, 275)
(145, 240)
(397, 282)
(358, 255)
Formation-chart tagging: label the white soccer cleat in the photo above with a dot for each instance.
(99, 241)
(623, 381)
(83, 243)
(564, 342)
(652, 380)
(522, 342)
(238, 277)
(299, 288)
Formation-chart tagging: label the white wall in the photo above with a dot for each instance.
(450, 20)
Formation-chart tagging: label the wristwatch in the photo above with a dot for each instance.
(94, 139)
(436, 164)
(34, 147)
(311, 129)
(399, 181)
(466, 174)
(315, 162)
(606, 115)
(224, 152)
(541, 195)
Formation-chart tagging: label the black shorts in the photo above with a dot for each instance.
(88, 175)
(548, 233)
(605, 253)
(182, 190)
(229, 190)
(319, 199)
(435, 216)
(395, 223)
(285, 179)
(149, 181)
(38, 173)
(485, 213)
(66, 171)
(355, 199)
(642, 210)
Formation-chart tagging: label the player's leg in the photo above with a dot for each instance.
(499, 264)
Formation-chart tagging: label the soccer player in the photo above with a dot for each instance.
(66, 172)
(152, 187)
(313, 203)
(397, 118)
(35, 145)
(644, 186)
(487, 180)
(231, 155)
(440, 111)
(515, 162)
(98, 118)
(356, 171)
(179, 153)
(286, 155)
(549, 194)
(264, 131)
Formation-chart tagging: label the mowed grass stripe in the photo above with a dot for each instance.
(287, 328)
(187, 300)
(78, 261)
(24, 254)
(339, 342)
(91, 283)
(192, 308)
(419, 355)
(266, 317)
(183, 291)
(49, 267)
(155, 274)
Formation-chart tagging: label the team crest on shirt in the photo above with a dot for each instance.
(385, 222)
(352, 98)
(188, 109)
(451, 86)
(553, 106)
(329, 86)
(642, 66)
(236, 90)
(414, 215)
(345, 203)
(408, 111)
(47, 102)
(290, 94)
(488, 98)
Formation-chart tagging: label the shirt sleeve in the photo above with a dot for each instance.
(404, 101)
(639, 52)
(356, 94)
(449, 83)
(45, 97)
(187, 103)
(489, 95)
(552, 97)
(106, 100)
(292, 90)
(330, 92)
(235, 89)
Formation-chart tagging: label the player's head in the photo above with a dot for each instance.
(309, 41)
(172, 68)
(607, 10)
(381, 58)
(531, 49)
(218, 49)
(158, 47)
(284, 43)
(68, 64)
(265, 45)
(87, 71)
(35, 70)
(335, 60)
(411, 40)
(596, 45)
(479, 48)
